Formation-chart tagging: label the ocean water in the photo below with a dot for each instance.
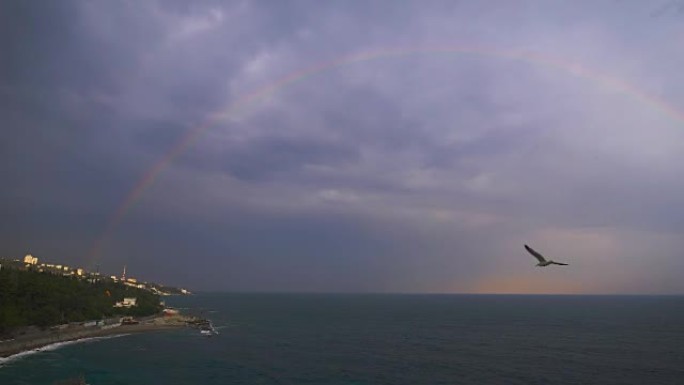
(341, 339)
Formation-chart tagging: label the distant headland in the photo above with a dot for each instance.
(44, 304)
(31, 263)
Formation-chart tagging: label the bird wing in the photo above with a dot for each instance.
(535, 254)
(558, 263)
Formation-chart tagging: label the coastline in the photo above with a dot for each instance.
(55, 346)
(36, 341)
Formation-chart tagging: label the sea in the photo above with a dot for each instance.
(364, 339)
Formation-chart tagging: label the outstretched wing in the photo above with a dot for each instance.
(535, 254)
(558, 263)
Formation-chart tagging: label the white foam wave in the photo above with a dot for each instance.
(5, 360)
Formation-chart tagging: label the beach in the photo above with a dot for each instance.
(333, 339)
(40, 339)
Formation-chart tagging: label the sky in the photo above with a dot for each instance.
(344, 146)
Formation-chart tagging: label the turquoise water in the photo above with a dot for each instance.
(388, 339)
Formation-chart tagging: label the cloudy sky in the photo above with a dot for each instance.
(392, 146)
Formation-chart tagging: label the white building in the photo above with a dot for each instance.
(127, 302)
(30, 259)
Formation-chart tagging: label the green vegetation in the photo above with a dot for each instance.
(44, 299)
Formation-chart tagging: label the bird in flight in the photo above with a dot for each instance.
(542, 261)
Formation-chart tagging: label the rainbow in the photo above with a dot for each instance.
(193, 134)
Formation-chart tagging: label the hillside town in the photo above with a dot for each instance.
(45, 303)
(30, 262)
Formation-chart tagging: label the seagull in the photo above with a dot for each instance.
(542, 261)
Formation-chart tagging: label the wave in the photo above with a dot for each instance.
(47, 348)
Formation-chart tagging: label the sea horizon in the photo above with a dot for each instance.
(210, 292)
(333, 339)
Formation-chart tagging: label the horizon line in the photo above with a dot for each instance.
(209, 292)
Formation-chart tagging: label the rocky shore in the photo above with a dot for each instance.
(38, 339)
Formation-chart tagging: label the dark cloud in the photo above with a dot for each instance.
(272, 156)
(422, 171)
